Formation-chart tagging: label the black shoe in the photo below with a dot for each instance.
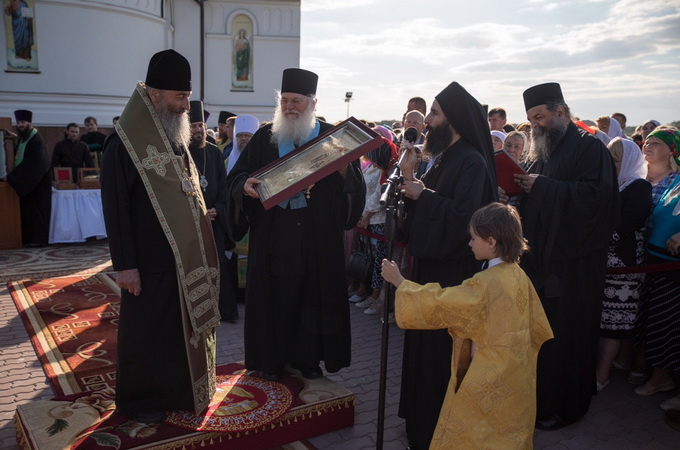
(550, 423)
(271, 376)
(308, 372)
(149, 417)
(230, 316)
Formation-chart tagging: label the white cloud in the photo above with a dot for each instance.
(607, 54)
(326, 5)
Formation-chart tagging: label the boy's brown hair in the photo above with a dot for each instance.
(501, 222)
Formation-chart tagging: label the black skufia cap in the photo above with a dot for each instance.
(196, 111)
(542, 94)
(169, 70)
(299, 81)
(23, 114)
(224, 115)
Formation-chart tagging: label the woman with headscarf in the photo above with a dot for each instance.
(659, 319)
(648, 127)
(497, 139)
(626, 248)
(611, 127)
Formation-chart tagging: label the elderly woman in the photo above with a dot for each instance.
(659, 319)
(515, 145)
(626, 248)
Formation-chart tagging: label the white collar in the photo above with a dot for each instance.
(494, 262)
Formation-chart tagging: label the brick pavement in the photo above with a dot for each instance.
(618, 418)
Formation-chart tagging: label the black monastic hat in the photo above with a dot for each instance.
(467, 117)
(23, 114)
(542, 94)
(206, 114)
(169, 70)
(299, 81)
(196, 111)
(224, 115)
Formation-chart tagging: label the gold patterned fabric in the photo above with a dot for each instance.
(499, 310)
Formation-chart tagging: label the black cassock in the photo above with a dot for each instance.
(568, 219)
(152, 371)
(296, 293)
(210, 164)
(32, 181)
(437, 227)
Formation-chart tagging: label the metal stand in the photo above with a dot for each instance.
(392, 197)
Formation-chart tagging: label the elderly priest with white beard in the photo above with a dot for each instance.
(296, 297)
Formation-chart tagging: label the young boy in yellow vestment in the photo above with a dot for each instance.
(493, 405)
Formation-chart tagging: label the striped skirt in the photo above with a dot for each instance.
(658, 322)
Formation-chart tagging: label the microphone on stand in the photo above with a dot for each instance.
(410, 135)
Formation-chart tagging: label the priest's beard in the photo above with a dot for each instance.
(176, 124)
(24, 132)
(544, 140)
(222, 136)
(198, 140)
(293, 129)
(438, 139)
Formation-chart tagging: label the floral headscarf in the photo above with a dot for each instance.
(671, 138)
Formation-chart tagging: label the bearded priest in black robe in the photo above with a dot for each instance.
(162, 249)
(569, 211)
(296, 295)
(460, 178)
(32, 181)
(213, 182)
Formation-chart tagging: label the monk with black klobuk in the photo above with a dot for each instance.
(162, 249)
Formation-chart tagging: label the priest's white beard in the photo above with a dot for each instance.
(544, 140)
(290, 128)
(176, 125)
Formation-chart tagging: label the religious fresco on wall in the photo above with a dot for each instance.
(242, 53)
(20, 35)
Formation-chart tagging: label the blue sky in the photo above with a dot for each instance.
(608, 55)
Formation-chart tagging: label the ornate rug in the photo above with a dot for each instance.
(72, 323)
(54, 260)
(87, 420)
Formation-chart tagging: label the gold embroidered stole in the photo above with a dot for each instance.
(179, 205)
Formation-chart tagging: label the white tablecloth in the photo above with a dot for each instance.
(76, 215)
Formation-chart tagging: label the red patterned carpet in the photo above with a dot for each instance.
(72, 322)
(251, 417)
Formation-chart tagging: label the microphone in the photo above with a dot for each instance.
(410, 135)
(395, 178)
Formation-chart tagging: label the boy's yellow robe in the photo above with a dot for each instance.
(499, 310)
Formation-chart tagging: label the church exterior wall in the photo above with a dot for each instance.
(91, 54)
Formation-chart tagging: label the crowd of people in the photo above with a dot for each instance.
(516, 307)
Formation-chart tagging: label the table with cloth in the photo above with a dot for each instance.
(76, 215)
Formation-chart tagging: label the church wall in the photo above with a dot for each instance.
(85, 60)
(275, 46)
(91, 54)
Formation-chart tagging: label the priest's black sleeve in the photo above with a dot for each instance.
(117, 176)
(438, 221)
